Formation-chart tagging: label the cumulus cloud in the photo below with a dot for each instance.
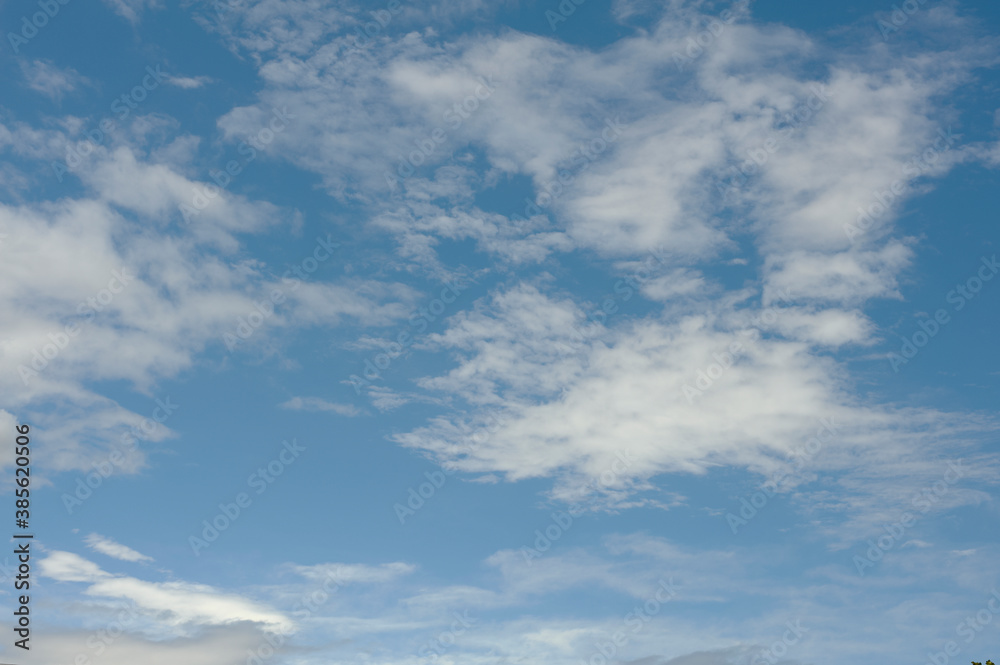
(103, 287)
(563, 398)
(767, 138)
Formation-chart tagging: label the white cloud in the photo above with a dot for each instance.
(829, 327)
(114, 549)
(176, 604)
(181, 603)
(570, 395)
(184, 291)
(675, 284)
(354, 573)
(395, 616)
(919, 544)
(681, 136)
(48, 79)
(189, 82)
(319, 404)
(132, 10)
(673, 395)
(850, 277)
(69, 567)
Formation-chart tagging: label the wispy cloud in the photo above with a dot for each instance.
(319, 404)
(132, 10)
(189, 82)
(113, 549)
(50, 80)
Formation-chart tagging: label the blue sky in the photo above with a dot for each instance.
(516, 332)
